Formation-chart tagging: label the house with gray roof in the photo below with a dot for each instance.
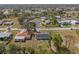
(1, 22)
(8, 22)
(6, 35)
(42, 36)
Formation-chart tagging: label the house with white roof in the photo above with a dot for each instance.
(72, 22)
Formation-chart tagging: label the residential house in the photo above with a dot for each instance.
(72, 22)
(6, 35)
(42, 36)
(1, 22)
(58, 17)
(63, 21)
(8, 22)
(23, 36)
(47, 22)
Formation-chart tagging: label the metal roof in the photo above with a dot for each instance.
(42, 36)
(7, 34)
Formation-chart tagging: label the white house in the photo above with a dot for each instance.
(72, 22)
(58, 17)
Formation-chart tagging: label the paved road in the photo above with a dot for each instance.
(11, 29)
(74, 28)
(59, 28)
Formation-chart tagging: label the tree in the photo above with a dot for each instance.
(24, 50)
(53, 19)
(29, 26)
(57, 41)
(13, 49)
(2, 48)
(30, 50)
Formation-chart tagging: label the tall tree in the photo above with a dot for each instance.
(57, 41)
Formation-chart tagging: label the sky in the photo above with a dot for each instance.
(39, 1)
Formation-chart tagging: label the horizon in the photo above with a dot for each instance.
(37, 5)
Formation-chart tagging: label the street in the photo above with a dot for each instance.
(74, 28)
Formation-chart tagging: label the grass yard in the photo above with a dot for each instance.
(70, 38)
(35, 44)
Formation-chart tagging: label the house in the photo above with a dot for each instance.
(47, 22)
(8, 22)
(58, 17)
(6, 12)
(1, 22)
(72, 22)
(37, 23)
(77, 22)
(42, 36)
(62, 22)
(43, 17)
(6, 35)
(22, 36)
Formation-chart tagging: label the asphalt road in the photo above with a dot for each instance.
(74, 28)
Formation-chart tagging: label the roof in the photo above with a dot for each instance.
(6, 34)
(1, 35)
(63, 21)
(43, 17)
(37, 23)
(41, 36)
(58, 16)
(8, 22)
(47, 21)
(1, 21)
(23, 34)
(19, 37)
